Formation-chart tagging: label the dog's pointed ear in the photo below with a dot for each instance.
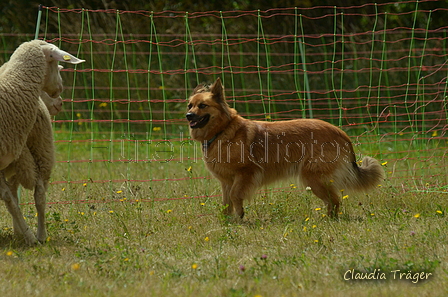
(217, 90)
(198, 89)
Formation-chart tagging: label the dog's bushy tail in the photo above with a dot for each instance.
(366, 176)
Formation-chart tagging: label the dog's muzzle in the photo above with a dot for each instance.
(197, 121)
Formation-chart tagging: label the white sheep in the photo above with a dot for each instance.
(32, 68)
(33, 168)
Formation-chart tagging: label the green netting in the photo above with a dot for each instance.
(377, 71)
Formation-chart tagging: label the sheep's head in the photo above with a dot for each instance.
(53, 81)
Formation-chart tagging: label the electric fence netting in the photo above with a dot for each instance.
(123, 128)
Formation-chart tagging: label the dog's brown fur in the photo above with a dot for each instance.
(244, 154)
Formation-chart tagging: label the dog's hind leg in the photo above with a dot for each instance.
(327, 192)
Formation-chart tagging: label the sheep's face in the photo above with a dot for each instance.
(53, 80)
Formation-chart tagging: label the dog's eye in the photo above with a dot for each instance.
(190, 106)
(202, 105)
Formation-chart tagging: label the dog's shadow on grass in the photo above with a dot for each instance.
(11, 241)
(257, 222)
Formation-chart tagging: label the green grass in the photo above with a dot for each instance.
(166, 237)
(129, 244)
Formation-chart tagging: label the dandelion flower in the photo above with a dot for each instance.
(207, 238)
(202, 204)
(384, 163)
(119, 192)
(9, 253)
(439, 212)
(76, 266)
(417, 215)
(317, 209)
(189, 169)
(307, 219)
(63, 189)
(155, 129)
(434, 134)
(316, 241)
(84, 184)
(111, 211)
(308, 188)
(345, 197)
(169, 211)
(194, 266)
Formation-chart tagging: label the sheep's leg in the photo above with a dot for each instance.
(40, 201)
(14, 186)
(15, 211)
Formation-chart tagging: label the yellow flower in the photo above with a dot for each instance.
(304, 229)
(169, 211)
(345, 197)
(384, 163)
(155, 129)
(78, 115)
(314, 226)
(9, 253)
(63, 189)
(316, 241)
(189, 169)
(202, 204)
(207, 239)
(76, 266)
(194, 266)
(307, 219)
(317, 209)
(434, 134)
(103, 104)
(417, 215)
(119, 192)
(439, 212)
(111, 211)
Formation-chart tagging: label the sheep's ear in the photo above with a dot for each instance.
(57, 54)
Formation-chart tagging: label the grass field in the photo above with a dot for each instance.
(118, 240)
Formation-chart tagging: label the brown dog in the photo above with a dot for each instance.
(244, 154)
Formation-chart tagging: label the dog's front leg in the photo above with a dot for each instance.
(243, 187)
(226, 201)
